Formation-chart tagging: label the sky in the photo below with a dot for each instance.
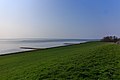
(88, 19)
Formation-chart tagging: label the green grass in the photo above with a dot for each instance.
(87, 61)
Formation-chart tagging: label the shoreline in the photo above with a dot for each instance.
(37, 49)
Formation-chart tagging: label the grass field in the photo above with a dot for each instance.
(86, 61)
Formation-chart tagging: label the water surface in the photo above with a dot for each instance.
(13, 45)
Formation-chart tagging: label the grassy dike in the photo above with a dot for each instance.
(86, 61)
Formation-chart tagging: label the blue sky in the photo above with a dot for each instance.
(59, 18)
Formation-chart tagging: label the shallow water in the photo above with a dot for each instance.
(13, 45)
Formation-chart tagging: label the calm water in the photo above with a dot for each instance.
(13, 45)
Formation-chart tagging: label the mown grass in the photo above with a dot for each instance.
(87, 61)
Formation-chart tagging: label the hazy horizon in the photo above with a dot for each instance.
(78, 19)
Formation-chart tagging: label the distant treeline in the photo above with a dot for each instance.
(110, 39)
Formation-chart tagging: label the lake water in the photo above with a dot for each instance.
(13, 45)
